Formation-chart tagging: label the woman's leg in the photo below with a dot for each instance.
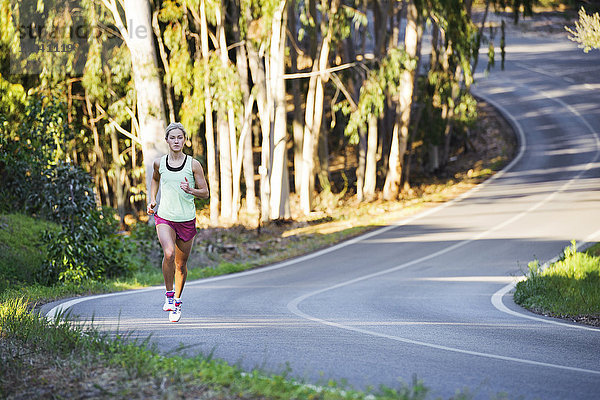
(167, 238)
(182, 253)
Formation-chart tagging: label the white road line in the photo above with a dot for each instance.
(293, 305)
(498, 296)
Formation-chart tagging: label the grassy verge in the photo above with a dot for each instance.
(568, 288)
(55, 359)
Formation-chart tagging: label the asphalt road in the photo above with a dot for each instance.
(426, 295)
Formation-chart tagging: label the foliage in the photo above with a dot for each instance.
(587, 31)
(569, 287)
(83, 253)
(371, 102)
(36, 180)
(28, 151)
(96, 89)
(379, 81)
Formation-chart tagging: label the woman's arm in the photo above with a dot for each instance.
(201, 189)
(154, 186)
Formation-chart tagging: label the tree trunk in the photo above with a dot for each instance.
(258, 77)
(297, 114)
(314, 112)
(362, 160)
(117, 182)
(245, 148)
(213, 180)
(226, 129)
(280, 206)
(243, 142)
(404, 105)
(323, 167)
(406, 170)
(371, 160)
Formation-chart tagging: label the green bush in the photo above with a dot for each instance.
(88, 250)
(36, 179)
(28, 151)
(569, 287)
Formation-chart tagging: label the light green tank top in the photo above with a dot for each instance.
(175, 204)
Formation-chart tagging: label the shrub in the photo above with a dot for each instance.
(28, 151)
(88, 249)
(36, 180)
(570, 286)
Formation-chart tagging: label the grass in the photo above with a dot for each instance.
(21, 247)
(568, 288)
(41, 358)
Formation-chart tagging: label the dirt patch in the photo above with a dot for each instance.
(591, 320)
(32, 373)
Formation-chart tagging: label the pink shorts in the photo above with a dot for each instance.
(183, 230)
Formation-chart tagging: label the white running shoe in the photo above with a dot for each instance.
(169, 301)
(175, 315)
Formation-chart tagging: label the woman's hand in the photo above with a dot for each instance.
(150, 208)
(185, 186)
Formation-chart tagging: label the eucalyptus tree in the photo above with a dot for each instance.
(333, 19)
(207, 92)
(138, 35)
(265, 48)
(404, 98)
(279, 200)
(109, 105)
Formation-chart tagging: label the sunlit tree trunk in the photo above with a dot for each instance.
(297, 129)
(258, 77)
(360, 169)
(246, 144)
(280, 206)
(213, 180)
(117, 178)
(371, 160)
(401, 125)
(226, 129)
(314, 109)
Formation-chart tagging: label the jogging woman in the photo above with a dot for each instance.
(180, 178)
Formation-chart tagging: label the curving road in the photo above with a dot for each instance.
(427, 295)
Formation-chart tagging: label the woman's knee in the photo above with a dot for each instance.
(169, 254)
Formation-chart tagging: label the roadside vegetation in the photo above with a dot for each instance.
(568, 288)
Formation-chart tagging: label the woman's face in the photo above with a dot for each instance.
(176, 140)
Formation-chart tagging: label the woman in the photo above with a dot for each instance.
(180, 178)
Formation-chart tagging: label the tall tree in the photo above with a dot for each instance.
(280, 206)
(412, 37)
(314, 103)
(144, 64)
(213, 179)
